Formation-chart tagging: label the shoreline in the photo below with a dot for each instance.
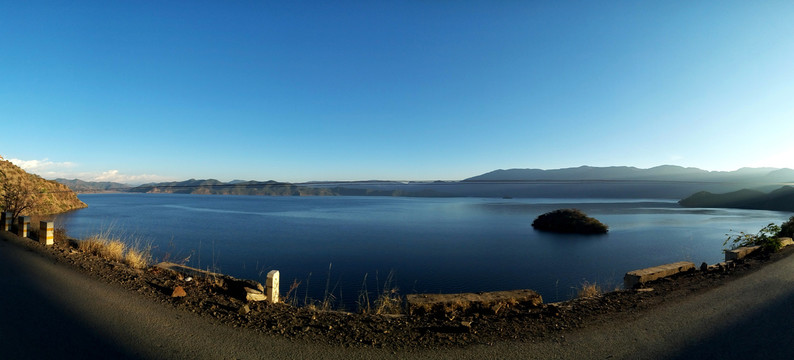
(405, 331)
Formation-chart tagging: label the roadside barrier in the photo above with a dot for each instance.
(22, 226)
(47, 233)
(5, 222)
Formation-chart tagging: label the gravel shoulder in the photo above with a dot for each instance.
(80, 304)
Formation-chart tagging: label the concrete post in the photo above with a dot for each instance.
(271, 286)
(5, 222)
(47, 232)
(22, 226)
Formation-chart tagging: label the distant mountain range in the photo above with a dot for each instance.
(237, 187)
(625, 173)
(667, 182)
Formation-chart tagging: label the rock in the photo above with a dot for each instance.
(704, 267)
(244, 310)
(254, 295)
(178, 292)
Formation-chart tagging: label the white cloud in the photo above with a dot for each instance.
(44, 165)
(116, 176)
(54, 170)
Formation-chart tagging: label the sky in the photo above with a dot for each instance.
(139, 91)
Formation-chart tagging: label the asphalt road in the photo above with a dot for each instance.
(52, 311)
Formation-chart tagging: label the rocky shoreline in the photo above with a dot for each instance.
(525, 321)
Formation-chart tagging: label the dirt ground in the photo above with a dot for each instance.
(225, 301)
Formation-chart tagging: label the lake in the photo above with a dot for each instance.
(416, 245)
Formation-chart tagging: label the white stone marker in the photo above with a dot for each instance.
(47, 232)
(22, 226)
(271, 286)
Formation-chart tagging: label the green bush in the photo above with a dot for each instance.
(787, 229)
(768, 238)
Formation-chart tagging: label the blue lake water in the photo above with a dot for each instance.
(428, 245)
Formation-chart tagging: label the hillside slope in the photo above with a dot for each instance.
(81, 186)
(781, 199)
(49, 197)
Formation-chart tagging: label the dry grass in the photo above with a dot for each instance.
(60, 235)
(92, 245)
(389, 302)
(137, 258)
(115, 248)
(589, 290)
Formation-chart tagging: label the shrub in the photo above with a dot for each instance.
(787, 228)
(768, 238)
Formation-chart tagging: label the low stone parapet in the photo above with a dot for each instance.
(739, 253)
(633, 278)
(492, 302)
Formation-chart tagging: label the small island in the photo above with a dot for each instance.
(569, 221)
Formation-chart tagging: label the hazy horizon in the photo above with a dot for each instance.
(314, 91)
(227, 180)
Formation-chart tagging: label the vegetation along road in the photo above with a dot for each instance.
(50, 310)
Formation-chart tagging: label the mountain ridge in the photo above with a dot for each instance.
(658, 173)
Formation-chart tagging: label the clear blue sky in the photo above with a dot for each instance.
(294, 91)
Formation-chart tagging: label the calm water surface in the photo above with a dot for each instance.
(427, 245)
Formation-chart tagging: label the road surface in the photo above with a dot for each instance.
(52, 311)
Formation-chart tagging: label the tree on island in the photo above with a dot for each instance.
(571, 221)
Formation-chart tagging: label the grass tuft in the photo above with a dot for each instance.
(110, 247)
(589, 290)
(113, 249)
(93, 245)
(137, 258)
